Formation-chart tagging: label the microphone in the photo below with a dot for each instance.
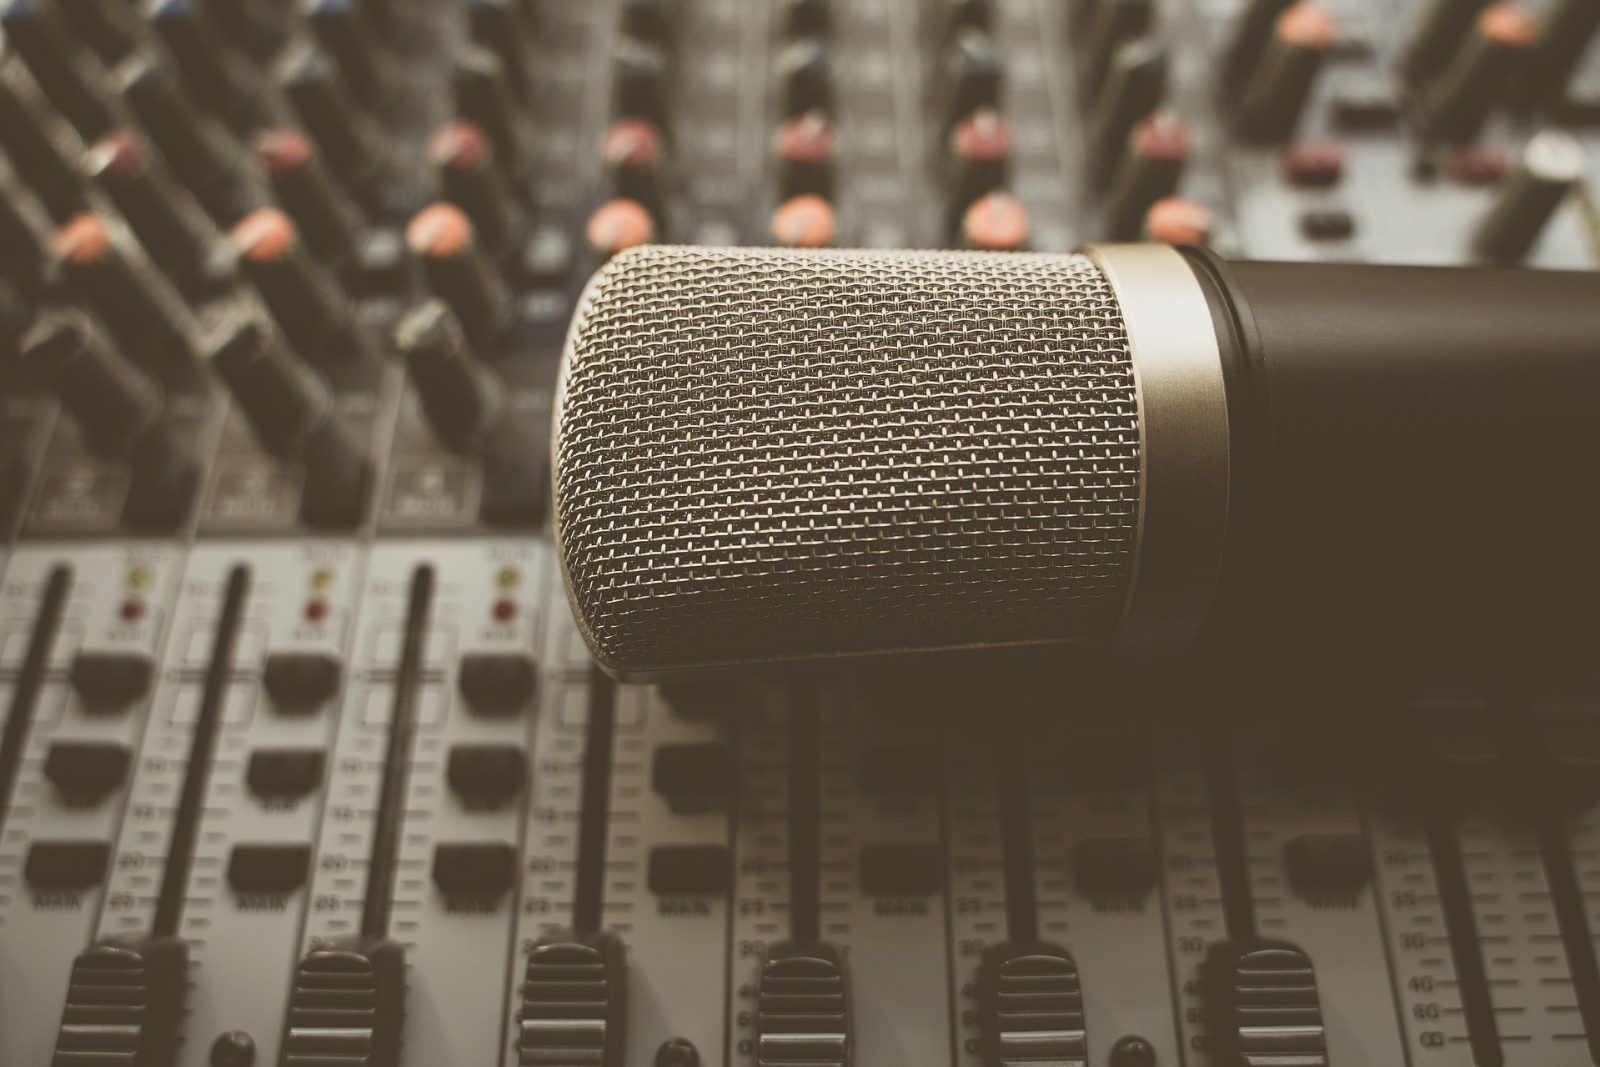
(796, 456)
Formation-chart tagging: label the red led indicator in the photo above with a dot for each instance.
(504, 610)
(316, 610)
(132, 610)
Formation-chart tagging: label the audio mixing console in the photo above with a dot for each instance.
(304, 762)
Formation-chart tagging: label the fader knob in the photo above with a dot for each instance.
(1568, 27)
(1030, 1001)
(996, 222)
(574, 1002)
(124, 1003)
(347, 1004)
(1457, 103)
(803, 1008)
(1275, 94)
(1264, 1005)
(805, 149)
(980, 157)
(1551, 166)
(617, 225)
(1150, 169)
(804, 221)
(458, 393)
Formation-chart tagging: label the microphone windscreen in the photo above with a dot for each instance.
(766, 455)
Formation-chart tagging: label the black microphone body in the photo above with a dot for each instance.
(1416, 477)
(1345, 469)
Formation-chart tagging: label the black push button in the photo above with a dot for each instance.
(284, 772)
(66, 864)
(301, 681)
(489, 774)
(684, 870)
(87, 770)
(901, 870)
(1327, 863)
(110, 678)
(1331, 225)
(1114, 867)
(474, 868)
(496, 683)
(692, 772)
(898, 769)
(268, 868)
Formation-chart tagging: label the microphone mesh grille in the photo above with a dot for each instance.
(769, 454)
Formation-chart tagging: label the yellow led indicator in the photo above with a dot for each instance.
(508, 578)
(321, 580)
(138, 578)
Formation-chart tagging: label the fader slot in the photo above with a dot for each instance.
(249, 889)
(881, 872)
(348, 992)
(25, 685)
(71, 791)
(976, 890)
(126, 992)
(1097, 877)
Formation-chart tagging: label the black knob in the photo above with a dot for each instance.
(1251, 31)
(285, 401)
(1569, 26)
(979, 158)
(348, 994)
(169, 222)
(458, 393)
(146, 315)
(24, 235)
(958, 15)
(305, 299)
(1273, 97)
(112, 400)
(203, 153)
(633, 151)
(1442, 28)
(32, 137)
(221, 76)
(112, 31)
(292, 412)
(805, 76)
(72, 77)
(650, 20)
(1112, 24)
(1550, 167)
(344, 28)
(458, 271)
(324, 213)
(484, 97)
(470, 177)
(356, 147)
(1458, 102)
(260, 27)
(1135, 84)
(973, 75)
(639, 82)
(803, 18)
(499, 26)
(1158, 149)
